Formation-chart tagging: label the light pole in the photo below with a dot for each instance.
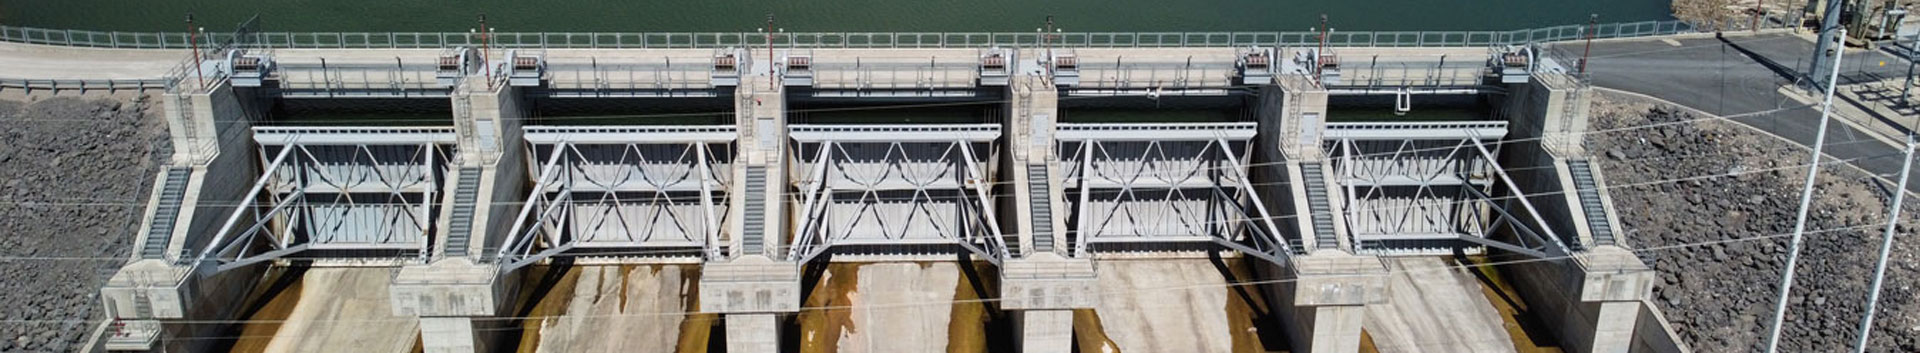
(1806, 200)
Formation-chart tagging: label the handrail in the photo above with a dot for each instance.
(172, 40)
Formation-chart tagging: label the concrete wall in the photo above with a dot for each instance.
(1549, 288)
(1653, 335)
(510, 179)
(1269, 170)
(221, 178)
(1529, 161)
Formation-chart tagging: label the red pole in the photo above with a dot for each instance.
(770, 50)
(1758, 11)
(193, 43)
(1593, 23)
(485, 48)
(1322, 52)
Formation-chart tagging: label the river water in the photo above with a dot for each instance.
(824, 16)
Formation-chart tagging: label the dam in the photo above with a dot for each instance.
(1025, 192)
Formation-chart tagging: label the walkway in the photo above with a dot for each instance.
(28, 61)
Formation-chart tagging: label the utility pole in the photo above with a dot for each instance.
(1829, 27)
(193, 43)
(1886, 243)
(1593, 25)
(1806, 200)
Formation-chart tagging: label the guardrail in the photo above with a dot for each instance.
(83, 85)
(173, 40)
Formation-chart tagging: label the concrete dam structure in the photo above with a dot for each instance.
(568, 200)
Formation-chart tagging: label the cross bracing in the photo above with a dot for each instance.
(1427, 188)
(1164, 184)
(613, 189)
(318, 191)
(898, 186)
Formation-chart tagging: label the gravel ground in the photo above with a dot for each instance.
(1720, 297)
(56, 152)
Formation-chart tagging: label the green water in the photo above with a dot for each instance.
(824, 16)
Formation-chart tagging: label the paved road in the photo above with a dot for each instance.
(28, 61)
(1743, 74)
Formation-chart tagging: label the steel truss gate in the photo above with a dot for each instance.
(354, 191)
(892, 190)
(624, 191)
(1160, 186)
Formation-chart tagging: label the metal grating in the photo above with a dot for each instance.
(756, 210)
(1589, 191)
(160, 232)
(1317, 205)
(460, 230)
(1041, 206)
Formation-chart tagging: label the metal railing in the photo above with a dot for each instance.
(169, 40)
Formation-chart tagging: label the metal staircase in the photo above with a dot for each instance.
(142, 305)
(1318, 206)
(756, 211)
(1041, 205)
(460, 229)
(160, 232)
(1589, 191)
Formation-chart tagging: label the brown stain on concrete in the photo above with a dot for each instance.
(552, 304)
(1242, 313)
(967, 330)
(696, 331)
(264, 324)
(1089, 334)
(829, 309)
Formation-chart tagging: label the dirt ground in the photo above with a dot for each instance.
(1742, 191)
(75, 173)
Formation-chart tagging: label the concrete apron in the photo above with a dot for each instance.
(1170, 305)
(1434, 306)
(886, 307)
(337, 310)
(618, 309)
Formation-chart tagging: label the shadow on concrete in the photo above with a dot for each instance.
(1268, 325)
(1536, 331)
(810, 275)
(286, 279)
(1000, 331)
(515, 328)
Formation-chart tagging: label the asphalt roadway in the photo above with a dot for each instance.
(1743, 74)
